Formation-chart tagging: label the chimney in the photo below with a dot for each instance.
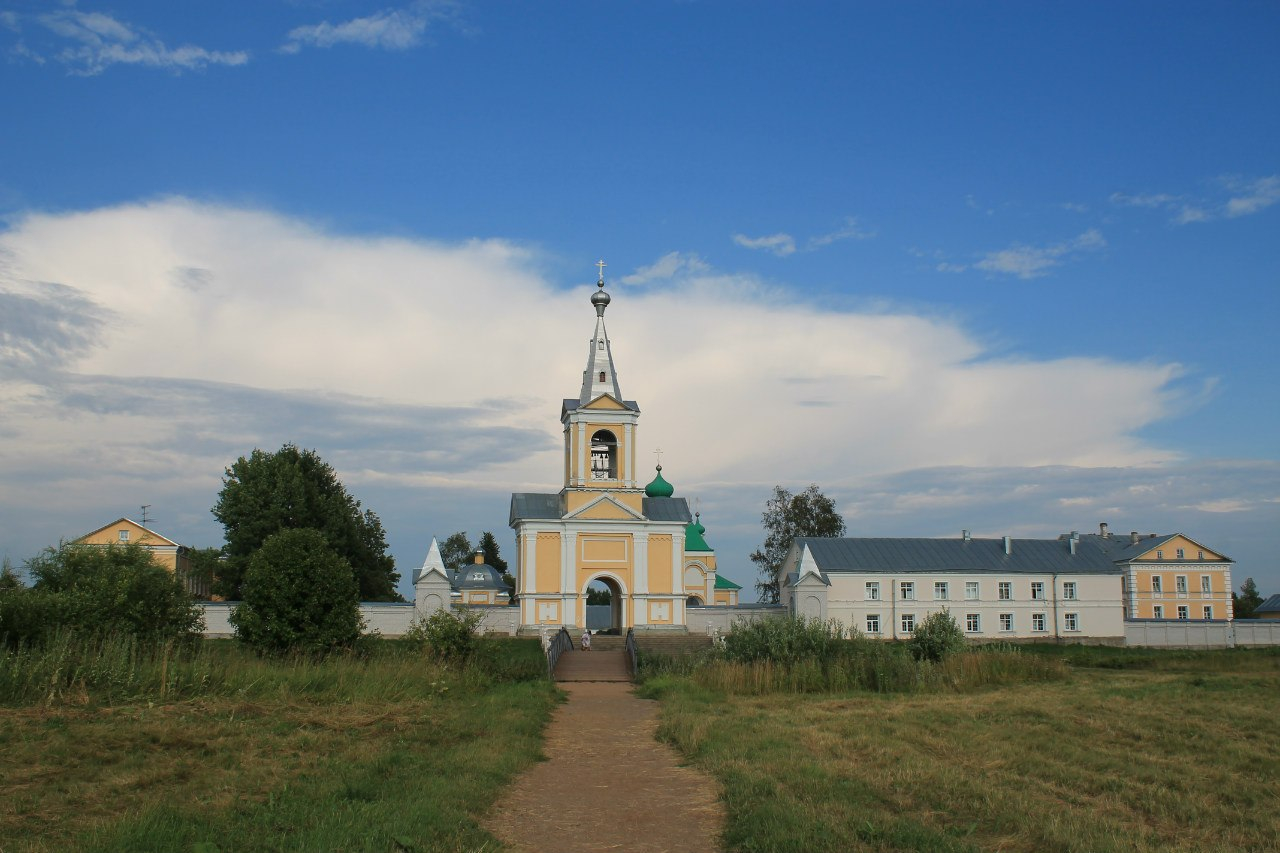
(1008, 545)
(964, 534)
(1071, 543)
(1102, 531)
(479, 557)
(1133, 537)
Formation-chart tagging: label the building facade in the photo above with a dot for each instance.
(164, 551)
(603, 525)
(1169, 576)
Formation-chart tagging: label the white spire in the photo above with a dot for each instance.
(600, 376)
(434, 562)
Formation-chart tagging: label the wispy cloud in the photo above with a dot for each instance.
(851, 230)
(88, 43)
(1028, 262)
(779, 244)
(1236, 196)
(667, 267)
(388, 29)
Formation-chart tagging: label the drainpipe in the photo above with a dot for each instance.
(1057, 638)
(893, 608)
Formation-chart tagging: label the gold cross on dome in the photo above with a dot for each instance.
(601, 264)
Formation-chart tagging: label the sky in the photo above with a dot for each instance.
(1006, 267)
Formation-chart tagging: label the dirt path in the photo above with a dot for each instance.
(608, 785)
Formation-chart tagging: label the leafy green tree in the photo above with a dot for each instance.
(205, 567)
(936, 637)
(298, 596)
(457, 552)
(1243, 605)
(787, 516)
(8, 577)
(293, 489)
(112, 589)
(599, 596)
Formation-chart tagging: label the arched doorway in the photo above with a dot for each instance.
(603, 607)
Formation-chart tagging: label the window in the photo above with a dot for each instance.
(971, 591)
(1180, 582)
(873, 591)
(1208, 611)
(1199, 555)
(972, 623)
(1037, 621)
(1037, 590)
(1069, 590)
(1182, 611)
(873, 623)
(940, 590)
(1071, 621)
(1157, 612)
(907, 590)
(478, 576)
(1181, 555)
(124, 536)
(604, 456)
(1205, 586)
(602, 376)
(1006, 590)
(908, 623)
(1159, 555)
(1006, 621)
(1157, 584)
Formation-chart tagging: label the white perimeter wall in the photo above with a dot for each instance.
(1188, 634)
(389, 620)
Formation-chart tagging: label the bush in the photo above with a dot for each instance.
(784, 641)
(99, 590)
(298, 596)
(936, 637)
(450, 635)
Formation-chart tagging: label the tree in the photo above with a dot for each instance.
(936, 637)
(599, 596)
(299, 595)
(1243, 605)
(294, 489)
(489, 546)
(457, 552)
(787, 516)
(112, 589)
(8, 577)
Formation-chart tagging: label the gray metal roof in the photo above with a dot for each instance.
(958, 555)
(1122, 547)
(1271, 605)
(532, 506)
(667, 509)
(477, 576)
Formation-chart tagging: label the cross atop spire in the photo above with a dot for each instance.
(599, 377)
(601, 264)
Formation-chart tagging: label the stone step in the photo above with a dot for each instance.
(578, 665)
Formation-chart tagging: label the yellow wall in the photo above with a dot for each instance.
(607, 552)
(576, 499)
(138, 535)
(1190, 550)
(660, 564)
(1193, 598)
(547, 570)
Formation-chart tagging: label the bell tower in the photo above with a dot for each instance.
(599, 425)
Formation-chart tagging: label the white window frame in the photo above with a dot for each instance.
(972, 591)
(1180, 554)
(1206, 584)
(1157, 611)
(907, 590)
(972, 623)
(873, 623)
(1005, 590)
(1184, 612)
(1038, 622)
(1157, 584)
(122, 535)
(941, 587)
(1006, 621)
(1037, 590)
(1069, 592)
(873, 591)
(1071, 621)
(908, 623)
(1208, 611)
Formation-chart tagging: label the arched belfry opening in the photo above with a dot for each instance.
(604, 455)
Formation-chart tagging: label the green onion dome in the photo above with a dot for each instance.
(659, 488)
(693, 540)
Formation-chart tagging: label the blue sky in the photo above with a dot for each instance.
(1001, 266)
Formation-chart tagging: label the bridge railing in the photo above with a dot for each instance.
(633, 656)
(555, 646)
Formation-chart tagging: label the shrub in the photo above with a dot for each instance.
(298, 596)
(936, 637)
(99, 590)
(451, 635)
(784, 641)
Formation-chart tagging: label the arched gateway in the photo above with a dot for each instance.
(604, 524)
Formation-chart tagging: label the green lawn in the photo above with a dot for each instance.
(1134, 751)
(391, 753)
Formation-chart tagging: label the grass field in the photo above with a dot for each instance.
(222, 751)
(1136, 750)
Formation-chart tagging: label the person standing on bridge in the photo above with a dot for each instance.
(586, 640)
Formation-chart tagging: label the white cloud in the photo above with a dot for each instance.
(388, 29)
(851, 230)
(1253, 196)
(1144, 199)
(667, 267)
(148, 345)
(1244, 197)
(780, 244)
(91, 42)
(1027, 262)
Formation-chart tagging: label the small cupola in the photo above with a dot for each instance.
(659, 488)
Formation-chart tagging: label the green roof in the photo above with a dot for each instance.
(659, 488)
(693, 540)
(725, 583)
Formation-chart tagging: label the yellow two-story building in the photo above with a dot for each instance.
(1170, 576)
